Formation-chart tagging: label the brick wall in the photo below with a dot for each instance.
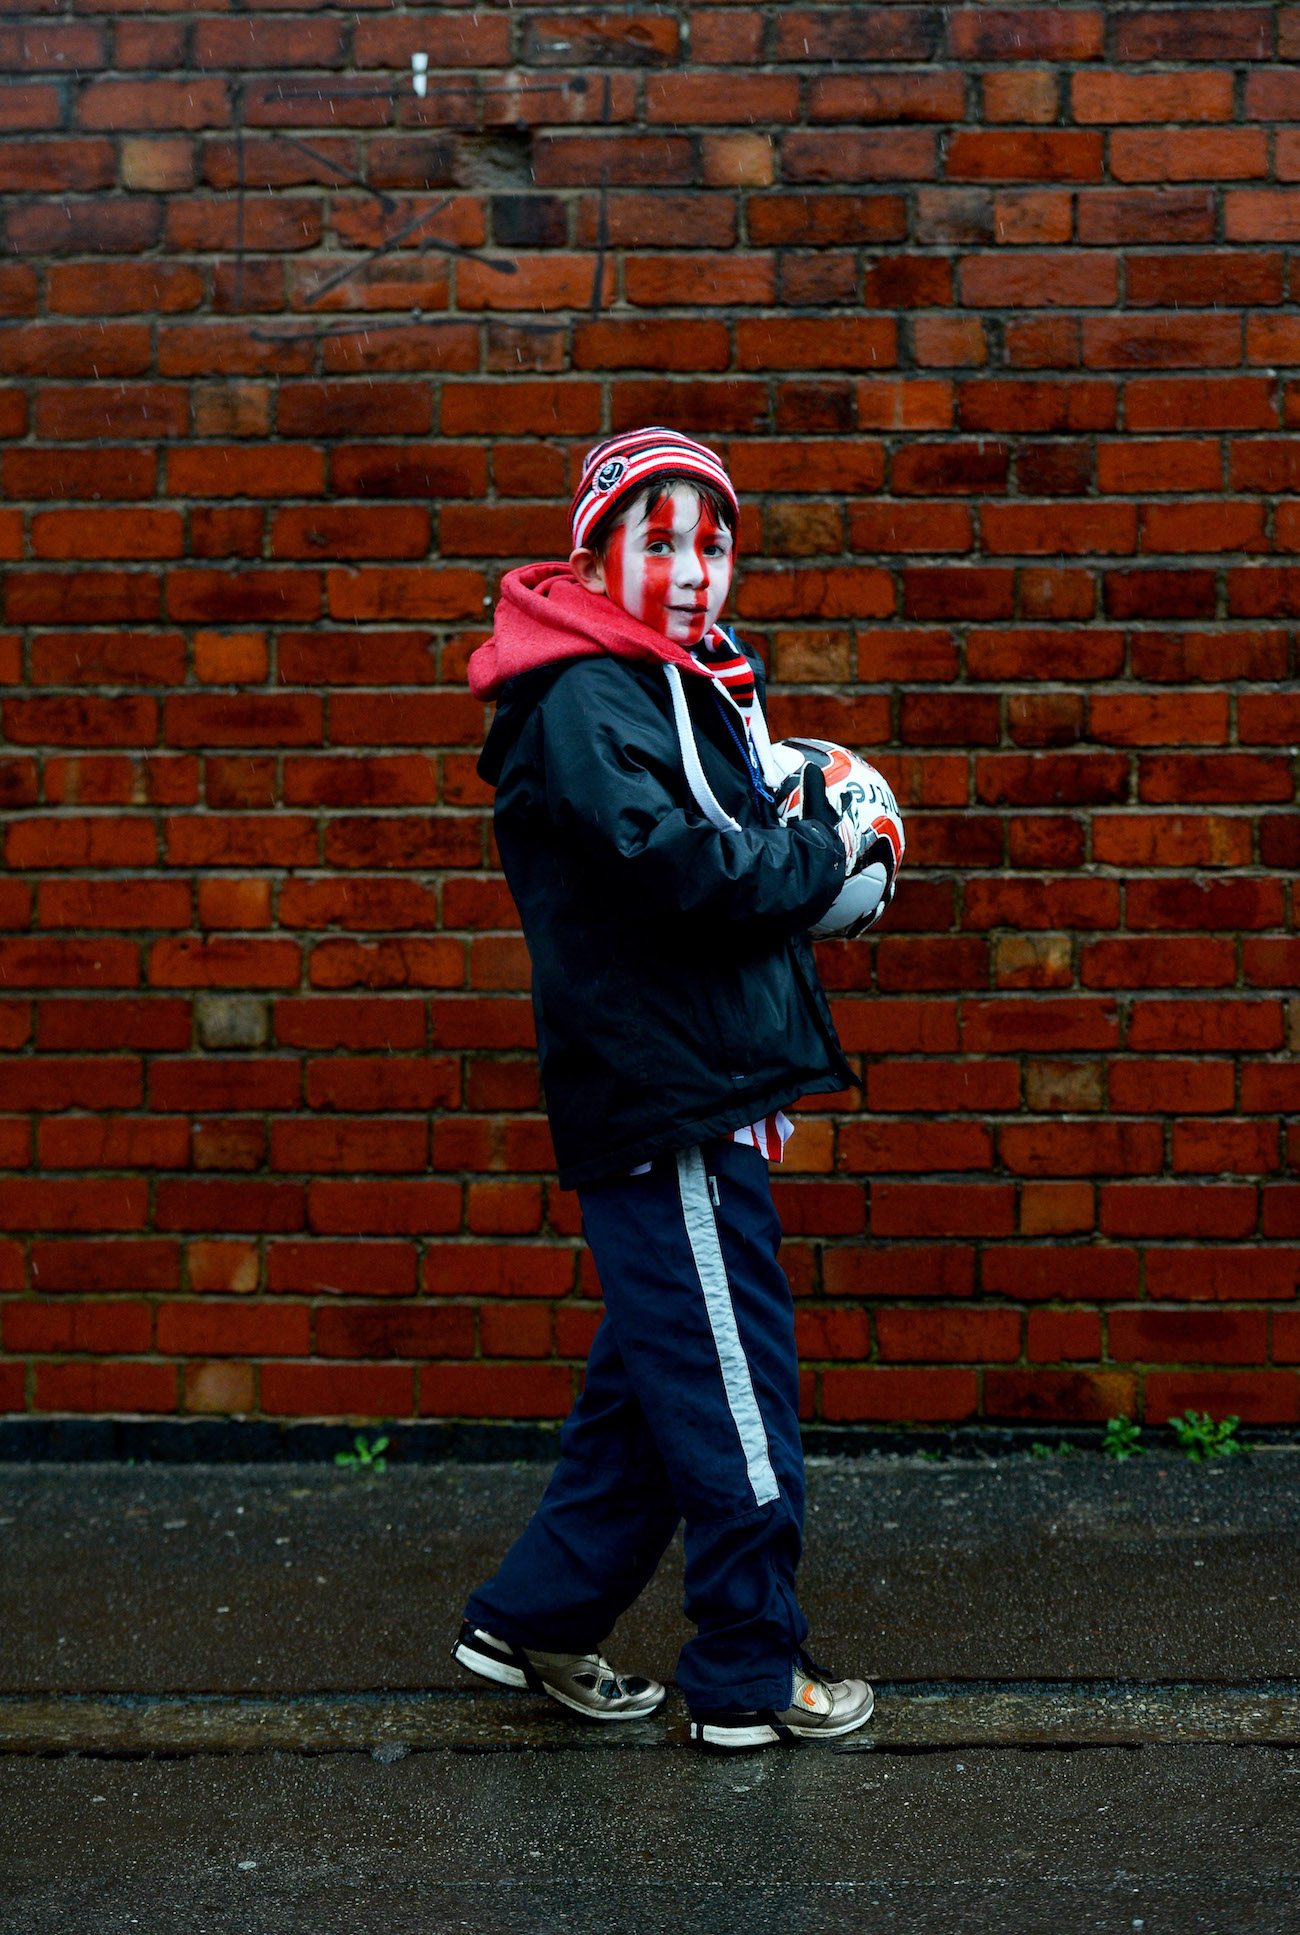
(989, 311)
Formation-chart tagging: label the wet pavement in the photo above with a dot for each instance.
(227, 1703)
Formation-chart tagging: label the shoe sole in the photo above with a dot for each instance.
(502, 1675)
(746, 1739)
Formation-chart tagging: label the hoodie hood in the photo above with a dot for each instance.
(544, 616)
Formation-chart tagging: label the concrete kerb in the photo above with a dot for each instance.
(147, 1440)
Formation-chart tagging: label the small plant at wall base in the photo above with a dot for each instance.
(1039, 1450)
(363, 1456)
(1201, 1438)
(1121, 1439)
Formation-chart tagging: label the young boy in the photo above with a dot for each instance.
(678, 1012)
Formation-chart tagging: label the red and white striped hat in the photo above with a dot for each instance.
(621, 466)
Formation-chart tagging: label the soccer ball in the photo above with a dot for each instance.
(857, 791)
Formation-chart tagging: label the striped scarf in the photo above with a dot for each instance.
(720, 656)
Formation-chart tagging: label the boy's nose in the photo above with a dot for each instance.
(689, 568)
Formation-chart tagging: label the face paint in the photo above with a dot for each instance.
(671, 567)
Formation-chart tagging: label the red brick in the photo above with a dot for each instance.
(1205, 1026)
(243, 840)
(1057, 154)
(1032, 904)
(899, 1270)
(87, 658)
(219, 963)
(1217, 1274)
(925, 96)
(1054, 1335)
(496, 1391)
(1158, 964)
(80, 1205)
(976, 1085)
(383, 1209)
(1159, 719)
(1213, 1148)
(1162, 97)
(942, 1209)
(504, 1209)
(1175, 1209)
(101, 1328)
(337, 1390)
(69, 964)
(321, 1022)
(1011, 1025)
(1204, 279)
(1139, 1086)
(821, 220)
(922, 1147)
(343, 1269)
(240, 1329)
(84, 1268)
(1039, 281)
(1271, 963)
(907, 155)
(832, 1333)
(354, 409)
(515, 1330)
(870, 1395)
(1087, 1275)
(1209, 403)
(1082, 1148)
(948, 1336)
(1057, 1208)
(228, 1206)
(1071, 530)
(1257, 1397)
(119, 1142)
(400, 1330)
(1189, 1337)
(1281, 1210)
(107, 1388)
(1065, 1396)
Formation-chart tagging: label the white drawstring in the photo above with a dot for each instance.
(701, 792)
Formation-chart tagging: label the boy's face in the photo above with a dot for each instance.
(670, 566)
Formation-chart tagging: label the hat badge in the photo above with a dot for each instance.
(609, 473)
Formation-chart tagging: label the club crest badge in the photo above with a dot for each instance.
(609, 473)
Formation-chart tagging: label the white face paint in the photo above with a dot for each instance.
(671, 567)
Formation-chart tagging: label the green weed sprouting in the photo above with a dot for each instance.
(363, 1456)
(1039, 1450)
(1121, 1439)
(1200, 1437)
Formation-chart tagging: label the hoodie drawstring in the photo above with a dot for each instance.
(701, 792)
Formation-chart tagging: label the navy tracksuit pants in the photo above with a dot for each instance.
(689, 1411)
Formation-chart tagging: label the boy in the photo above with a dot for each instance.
(678, 1013)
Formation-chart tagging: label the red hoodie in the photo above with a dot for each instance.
(545, 616)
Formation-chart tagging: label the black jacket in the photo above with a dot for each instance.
(675, 992)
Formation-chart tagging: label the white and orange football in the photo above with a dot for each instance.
(859, 793)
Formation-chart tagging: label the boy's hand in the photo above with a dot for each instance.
(815, 806)
(868, 834)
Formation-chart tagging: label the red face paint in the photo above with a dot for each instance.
(672, 567)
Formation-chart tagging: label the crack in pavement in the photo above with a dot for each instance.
(910, 1717)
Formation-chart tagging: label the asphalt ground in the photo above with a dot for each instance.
(227, 1704)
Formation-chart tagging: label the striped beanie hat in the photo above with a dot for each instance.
(621, 466)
